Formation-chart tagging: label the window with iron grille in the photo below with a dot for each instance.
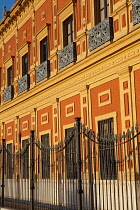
(101, 10)
(68, 31)
(43, 50)
(71, 166)
(106, 149)
(9, 162)
(9, 76)
(45, 156)
(25, 64)
(25, 162)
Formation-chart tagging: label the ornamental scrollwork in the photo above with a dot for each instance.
(24, 83)
(136, 11)
(101, 33)
(43, 71)
(8, 93)
(67, 55)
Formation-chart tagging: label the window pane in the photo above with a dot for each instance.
(43, 50)
(9, 76)
(101, 4)
(69, 39)
(102, 15)
(68, 31)
(25, 64)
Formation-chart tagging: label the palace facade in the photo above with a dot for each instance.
(62, 59)
(65, 59)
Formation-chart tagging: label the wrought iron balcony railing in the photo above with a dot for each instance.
(136, 11)
(43, 71)
(101, 33)
(67, 55)
(8, 93)
(24, 83)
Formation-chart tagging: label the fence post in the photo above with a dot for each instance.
(32, 163)
(3, 169)
(78, 151)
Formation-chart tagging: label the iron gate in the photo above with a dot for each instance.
(85, 171)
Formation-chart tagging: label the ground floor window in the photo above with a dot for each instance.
(45, 156)
(106, 149)
(71, 166)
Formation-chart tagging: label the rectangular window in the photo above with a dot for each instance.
(106, 149)
(101, 10)
(25, 160)
(9, 76)
(71, 165)
(45, 156)
(9, 162)
(25, 64)
(68, 31)
(44, 50)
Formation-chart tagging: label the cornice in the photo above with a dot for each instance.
(15, 11)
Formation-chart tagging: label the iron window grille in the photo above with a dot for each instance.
(68, 31)
(45, 156)
(9, 76)
(43, 50)
(25, 162)
(101, 10)
(25, 64)
(71, 166)
(106, 149)
(9, 162)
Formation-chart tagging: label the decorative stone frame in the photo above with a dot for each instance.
(66, 127)
(71, 113)
(106, 116)
(107, 101)
(63, 14)
(7, 64)
(22, 51)
(40, 35)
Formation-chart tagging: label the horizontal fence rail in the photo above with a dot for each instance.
(85, 171)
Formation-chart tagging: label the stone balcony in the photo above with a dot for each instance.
(136, 11)
(43, 71)
(24, 83)
(67, 55)
(8, 93)
(101, 33)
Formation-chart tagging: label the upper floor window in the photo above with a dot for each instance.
(101, 10)
(43, 50)
(25, 64)
(9, 76)
(68, 31)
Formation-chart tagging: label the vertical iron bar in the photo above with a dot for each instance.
(3, 169)
(32, 163)
(90, 174)
(80, 191)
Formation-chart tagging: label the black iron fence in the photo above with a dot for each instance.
(85, 171)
